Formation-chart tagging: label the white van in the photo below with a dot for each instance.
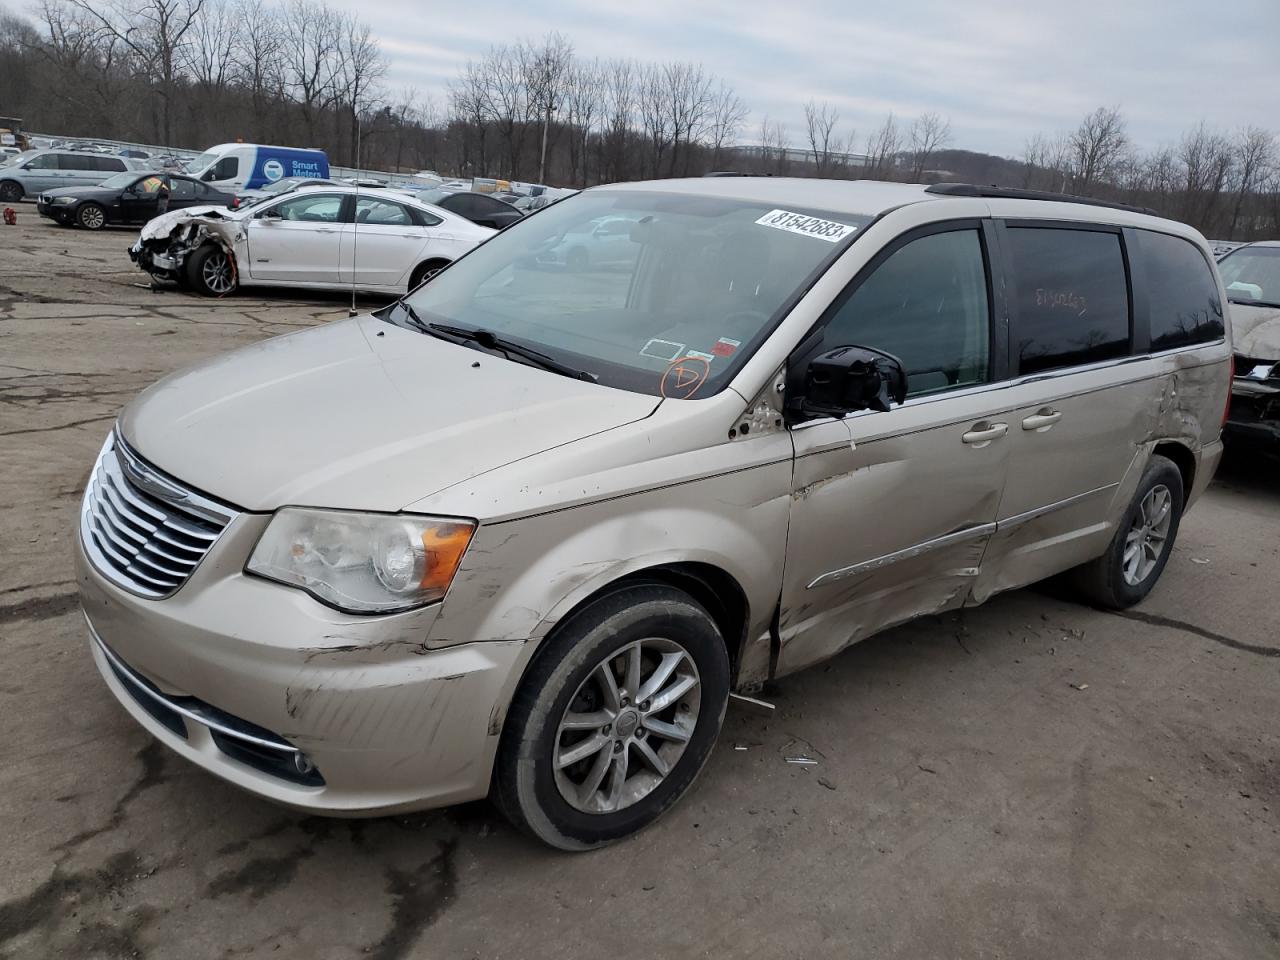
(233, 167)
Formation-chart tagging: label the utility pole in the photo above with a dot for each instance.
(542, 163)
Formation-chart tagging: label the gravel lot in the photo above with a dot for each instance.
(1029, 779)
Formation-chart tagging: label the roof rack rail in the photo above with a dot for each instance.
(1015, 193)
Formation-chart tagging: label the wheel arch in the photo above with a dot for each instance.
(1183, 458)
(415, 277)
(713, 587)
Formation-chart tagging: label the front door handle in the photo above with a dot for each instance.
(1042, 419)
(983, 433)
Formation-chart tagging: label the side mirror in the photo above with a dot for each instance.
(271, 213)
(208, 176)
(848, 379)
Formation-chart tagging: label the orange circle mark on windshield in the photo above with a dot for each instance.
(683, 377)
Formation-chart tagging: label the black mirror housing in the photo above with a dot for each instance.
(849, 379)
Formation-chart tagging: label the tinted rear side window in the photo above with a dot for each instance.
(1185, 308)
(77, 161)
(1071, 296)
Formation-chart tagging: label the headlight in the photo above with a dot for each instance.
(64, 199)
(362, 562)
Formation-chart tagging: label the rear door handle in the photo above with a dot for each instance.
(983, 433)
(1042, 419)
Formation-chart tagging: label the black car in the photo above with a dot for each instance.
(127, 198)
(476, 207)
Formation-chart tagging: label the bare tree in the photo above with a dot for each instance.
(728, 114)
(547, 73)
(1206, 158)
(256, 58)
(619, 78)
(1096, 145)
(883, 146)
(1255, 157)
(359, 68)
(820, 124)
(309, 52)
(773, 146)
(929, 133)
(208, 56)
(583, 109)
(154, 32)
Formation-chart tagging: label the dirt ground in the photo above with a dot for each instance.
(1032, 778)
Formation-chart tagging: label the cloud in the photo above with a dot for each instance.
(1000, 69)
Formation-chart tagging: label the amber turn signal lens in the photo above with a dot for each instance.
(443, 545)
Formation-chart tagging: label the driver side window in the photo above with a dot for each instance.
(927, 305)
(311, 208)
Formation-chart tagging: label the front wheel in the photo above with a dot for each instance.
(1138, 552)
(91, 216)
(211, 271)
(616, 717)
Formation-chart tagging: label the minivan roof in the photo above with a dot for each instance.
(874, 197)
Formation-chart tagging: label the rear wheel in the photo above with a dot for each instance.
(10, 191)
(91, 216)
(425, 271)
(211, 272)
(614, 720)
(1138, 552)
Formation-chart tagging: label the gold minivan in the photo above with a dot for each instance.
(522, 532)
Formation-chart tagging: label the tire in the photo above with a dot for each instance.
(425, 271)
(584, 805)
(11, 191)
(211, 271)
(90, 216)
(1114, 581)
(576, 260)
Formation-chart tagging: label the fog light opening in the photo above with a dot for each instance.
(302, 763)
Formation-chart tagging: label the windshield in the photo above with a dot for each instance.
(666, 294)
(197, 166)
(14, 159)
(119, 181)
(1252, 275)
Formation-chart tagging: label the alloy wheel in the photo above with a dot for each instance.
(92, 218)
(216, 273)
(627, 725)
(1148, 535)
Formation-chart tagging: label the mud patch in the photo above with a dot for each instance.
(418, 898)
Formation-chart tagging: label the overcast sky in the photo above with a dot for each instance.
(1000, 69)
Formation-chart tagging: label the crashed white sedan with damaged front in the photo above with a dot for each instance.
(332, 238)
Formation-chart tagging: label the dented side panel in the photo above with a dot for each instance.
(890, 515)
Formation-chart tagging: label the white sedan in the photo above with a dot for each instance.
(326, 238)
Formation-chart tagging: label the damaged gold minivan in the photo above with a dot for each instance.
(522, 532)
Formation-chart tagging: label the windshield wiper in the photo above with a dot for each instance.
(491, 341)
(1253, 303)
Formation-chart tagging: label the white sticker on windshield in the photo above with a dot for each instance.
(662, 350)
(807, 226)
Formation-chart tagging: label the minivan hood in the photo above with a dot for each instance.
(360, 414)
(1255, 331)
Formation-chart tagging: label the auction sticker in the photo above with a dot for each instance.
(828, 230)
(724, 347)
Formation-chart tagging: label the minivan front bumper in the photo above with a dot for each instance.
(266, 688)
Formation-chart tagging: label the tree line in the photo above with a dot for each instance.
(190, 73)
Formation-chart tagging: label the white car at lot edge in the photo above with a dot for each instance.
(335, 237)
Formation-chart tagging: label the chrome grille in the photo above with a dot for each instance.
(143, 530)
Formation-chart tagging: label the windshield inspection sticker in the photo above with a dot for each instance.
(724, 347)
(662, 350)
(827, 230)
